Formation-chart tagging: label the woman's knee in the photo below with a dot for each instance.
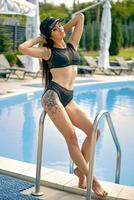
(89, 134)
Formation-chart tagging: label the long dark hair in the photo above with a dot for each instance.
(46, 74)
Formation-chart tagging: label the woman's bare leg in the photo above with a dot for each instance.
(85, 125)
(82, 179)
(59, 116)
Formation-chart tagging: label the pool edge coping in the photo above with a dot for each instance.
(15, 92)
(67, 182)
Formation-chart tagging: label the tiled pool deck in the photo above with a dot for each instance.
(49, 177)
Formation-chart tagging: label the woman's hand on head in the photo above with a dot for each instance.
(42, 40)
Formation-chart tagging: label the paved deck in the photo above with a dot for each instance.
(14, 85)
(55, 194)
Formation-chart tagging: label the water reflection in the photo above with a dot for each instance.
(29, 131)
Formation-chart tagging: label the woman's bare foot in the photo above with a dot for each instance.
(98, 190)
(82, 179)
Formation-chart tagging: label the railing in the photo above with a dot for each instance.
(39, 155)
(92, 154)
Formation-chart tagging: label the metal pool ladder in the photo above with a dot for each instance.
(93, 142)
(92, 155)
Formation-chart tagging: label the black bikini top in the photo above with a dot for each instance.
(63, 57)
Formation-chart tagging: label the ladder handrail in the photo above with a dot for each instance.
(39, 155)
(92, 153)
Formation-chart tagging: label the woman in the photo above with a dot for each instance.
(60, 61)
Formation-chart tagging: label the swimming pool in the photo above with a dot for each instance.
(19, 116)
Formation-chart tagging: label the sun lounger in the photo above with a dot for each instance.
(115, 69)
(132, 61)
(83, 69)
(124, 65)
(4, 65)
(93, 64)
(5, 74)
(30, 73)
(132, 65)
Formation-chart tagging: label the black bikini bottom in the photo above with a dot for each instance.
(64, 94)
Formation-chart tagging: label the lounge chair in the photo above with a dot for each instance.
(92, 63)
(124, 65)
(115, 68)
(132, 64)
(22, 59)
(4, 65)
(5, 74)
(84, 69)
(132, 61)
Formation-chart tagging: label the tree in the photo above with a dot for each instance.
(89, 36)
(125, 35)
(5, 42)
(52, 10)
(116, 38)
(96, 30)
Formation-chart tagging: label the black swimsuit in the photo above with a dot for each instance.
(62, 58)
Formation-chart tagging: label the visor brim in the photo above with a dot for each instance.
(54, 23)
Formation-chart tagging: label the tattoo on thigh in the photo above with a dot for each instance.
(50, 101)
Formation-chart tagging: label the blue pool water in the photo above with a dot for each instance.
(19, 116)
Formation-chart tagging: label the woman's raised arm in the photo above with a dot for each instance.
(28, 48)
(77, 22)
